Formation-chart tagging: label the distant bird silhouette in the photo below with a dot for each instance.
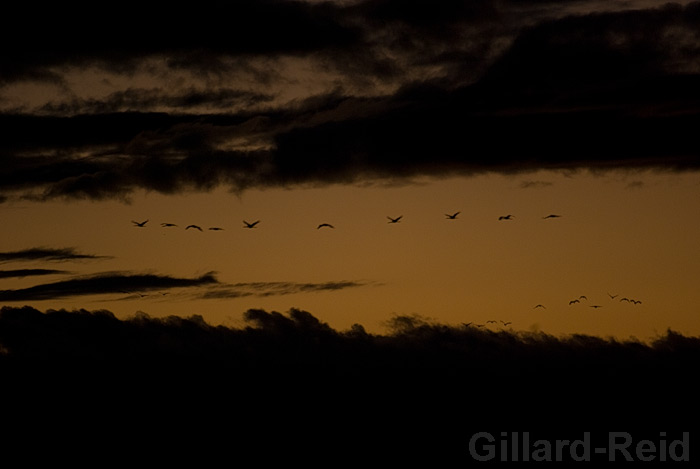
(552, 216)
(582, 297)
(167, 224)
(612, 297)
(596, 306)
(539, 306)
(216, 228)
(506, 323)
(625, 299)
(139, 224)
(250, 225)
(395, 220)
(574, 302)
(505, 217)
(193, 226)
(322, 225)
(637, 302)
(453, 216)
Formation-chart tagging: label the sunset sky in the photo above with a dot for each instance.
(298, 113)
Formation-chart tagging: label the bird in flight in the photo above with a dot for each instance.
(505, 217)
(328, 225)
(582, 297)
(552, 216)
(574, 302)
(506, 323)
(395, 220)
(625, 299)
(539, 306)
(216, 228)
(453, 216)
(194, 226)
(139, 224)
(165, 225)
(612, 297)
(637, 302)
(250, 225)
(596, 306)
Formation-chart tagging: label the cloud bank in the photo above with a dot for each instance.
(345, 92)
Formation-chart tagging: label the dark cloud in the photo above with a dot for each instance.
(137, 99)
(468, 87)
(104, 283)
(46, 254)
(20, 273)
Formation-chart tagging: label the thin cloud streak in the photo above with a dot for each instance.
(21, 273)
(266, 289)
(104, 283)
(47, 254)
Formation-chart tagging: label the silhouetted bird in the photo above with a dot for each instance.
(596, 306)
(395, 220)
(453, 216)
(552, 216)
(574, 302)
(250, 225)
(625, 299)
(539, 306)
(612, 297)
(167, 224)
(505, 217)
(139, 224)
(194, 226)
(582, 297)
(322, 225)
(216, 228)
(637, 302)
(506, 323)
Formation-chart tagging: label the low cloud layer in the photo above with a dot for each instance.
(344, 92)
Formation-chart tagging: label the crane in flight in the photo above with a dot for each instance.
(453, 216)
(194, 226)
(250, 225)
(139, 224)
(322, 225)
(395, 220)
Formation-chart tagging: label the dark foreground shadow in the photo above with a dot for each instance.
(287, 387)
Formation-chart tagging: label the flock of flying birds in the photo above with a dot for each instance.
(392, 220)
(596, 306)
